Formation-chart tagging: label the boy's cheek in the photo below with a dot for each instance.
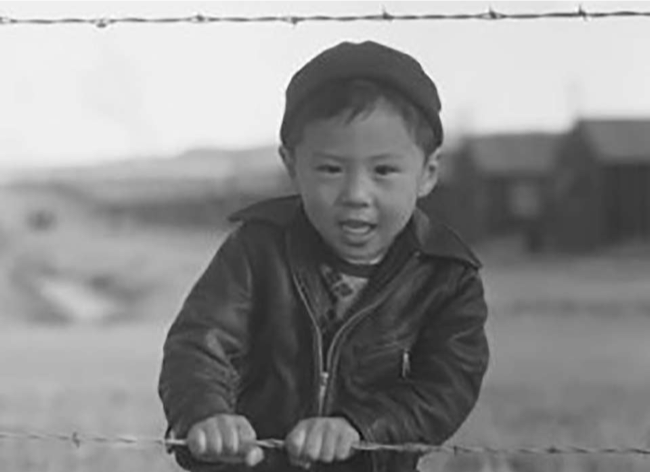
(322, 189)
(320, 200)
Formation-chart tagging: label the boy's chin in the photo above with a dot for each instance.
(360, 256)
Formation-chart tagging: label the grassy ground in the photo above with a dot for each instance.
(568, 335)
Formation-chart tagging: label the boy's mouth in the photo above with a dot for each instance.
(356, 228)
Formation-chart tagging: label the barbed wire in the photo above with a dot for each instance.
(412, 448)
(490, 15)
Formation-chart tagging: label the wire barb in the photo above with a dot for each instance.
(492, 14)
(582, 12)
(294, 20)
(385, 15)
(103, 22)
(199, 18)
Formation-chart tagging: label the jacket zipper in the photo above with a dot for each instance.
(324, 366)
(351, 322)
(406, 363)
(348, 325)
(322, 390)
(322, 374)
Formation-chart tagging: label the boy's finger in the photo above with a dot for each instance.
(254, 455)
(344, 447)
(329, 444)
(246, 432)
(230, 440)
(197, 442)
(313, 444)
(213, 442)
(295, 442)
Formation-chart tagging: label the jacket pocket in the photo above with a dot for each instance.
(383, 363)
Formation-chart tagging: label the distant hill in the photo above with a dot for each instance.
(199, 185)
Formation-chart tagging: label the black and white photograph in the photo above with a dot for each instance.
(325, 236)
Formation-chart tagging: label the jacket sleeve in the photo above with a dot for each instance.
(198, 379)
(448, 363)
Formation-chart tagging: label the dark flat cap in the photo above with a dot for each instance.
(367, 60)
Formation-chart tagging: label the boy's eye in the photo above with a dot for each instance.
(328, 169)
(386, 170)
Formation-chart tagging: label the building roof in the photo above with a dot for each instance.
(618, 139)
(514, 154)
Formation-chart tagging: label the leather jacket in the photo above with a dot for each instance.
(406, 366)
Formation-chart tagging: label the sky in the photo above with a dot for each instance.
(77, 94)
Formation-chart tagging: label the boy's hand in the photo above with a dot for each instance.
(224, 438)
(321, 439)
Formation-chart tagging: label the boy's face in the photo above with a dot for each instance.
(359, 181)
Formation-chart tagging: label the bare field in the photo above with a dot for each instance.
(553, 381)
(569, 338)
(94, 381)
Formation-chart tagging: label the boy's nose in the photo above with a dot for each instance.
(356, 191)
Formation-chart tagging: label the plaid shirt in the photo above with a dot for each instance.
(343, 289)
(345, 282)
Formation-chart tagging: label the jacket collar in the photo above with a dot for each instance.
(433, 237)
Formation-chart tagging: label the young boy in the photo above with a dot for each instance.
(343, 314)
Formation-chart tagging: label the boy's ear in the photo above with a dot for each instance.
(289, 160)
(429, 176)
